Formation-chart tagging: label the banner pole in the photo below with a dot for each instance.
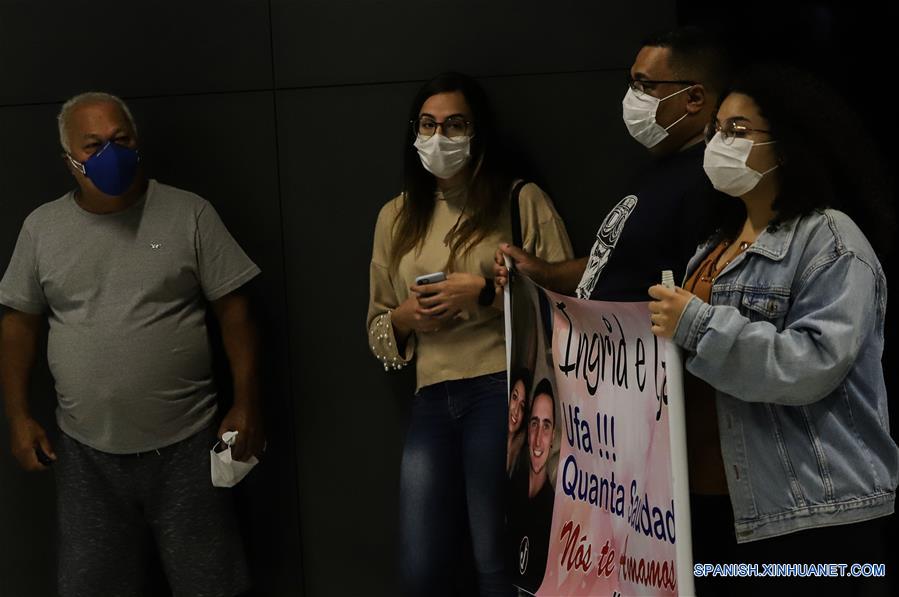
(507, 316)
(677, 429)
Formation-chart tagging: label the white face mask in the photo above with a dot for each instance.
(639, 113)
(725, 165)
(227, 472)
(441, 156)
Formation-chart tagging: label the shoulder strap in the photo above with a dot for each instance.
(517, 232)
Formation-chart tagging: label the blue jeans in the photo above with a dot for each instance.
(454, 463)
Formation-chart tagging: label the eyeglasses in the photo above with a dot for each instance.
(454, 126)
(644, 86)
(730, 130)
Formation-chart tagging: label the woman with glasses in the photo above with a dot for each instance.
(782, 321)
(454, 210)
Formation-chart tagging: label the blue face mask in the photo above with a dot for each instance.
(112, 169)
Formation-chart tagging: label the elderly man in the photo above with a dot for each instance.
(123, 268)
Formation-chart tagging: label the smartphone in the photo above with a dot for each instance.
(430, 278)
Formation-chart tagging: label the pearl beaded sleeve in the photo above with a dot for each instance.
(383, 343)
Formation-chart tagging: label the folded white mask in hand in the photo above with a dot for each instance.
(227, 472)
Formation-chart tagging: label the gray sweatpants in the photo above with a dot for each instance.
(110, 506)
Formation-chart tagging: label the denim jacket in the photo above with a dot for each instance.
(792, 343)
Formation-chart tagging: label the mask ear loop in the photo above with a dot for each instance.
(685, 113)
(219, 442)
(775, 166)
(78, 165)
(670, 95)
(676, 121)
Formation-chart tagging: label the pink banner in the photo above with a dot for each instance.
(592, 502)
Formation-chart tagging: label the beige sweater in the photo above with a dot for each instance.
(473, 345)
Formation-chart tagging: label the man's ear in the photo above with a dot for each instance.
(697, 98)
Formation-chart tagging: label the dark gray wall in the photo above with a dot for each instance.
(266, 109)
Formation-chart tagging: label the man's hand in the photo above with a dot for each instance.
(247, 422)
(26, 436)
(241, 342)
(19, 333)
(533, 267)
(666, 310)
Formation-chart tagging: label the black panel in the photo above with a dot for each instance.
(28, 507)
(327, 42)
(335, 177)
(52, 50)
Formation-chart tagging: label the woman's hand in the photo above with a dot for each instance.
(666, 310)
(406, 319)
(442, 301)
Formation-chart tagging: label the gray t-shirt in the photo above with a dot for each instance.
(125, 294)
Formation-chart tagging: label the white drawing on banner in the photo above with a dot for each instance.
(606, 239)
(523, 550)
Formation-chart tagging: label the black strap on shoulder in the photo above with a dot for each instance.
(517, 231)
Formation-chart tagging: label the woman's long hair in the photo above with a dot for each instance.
(826, 157)
(488, 186)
